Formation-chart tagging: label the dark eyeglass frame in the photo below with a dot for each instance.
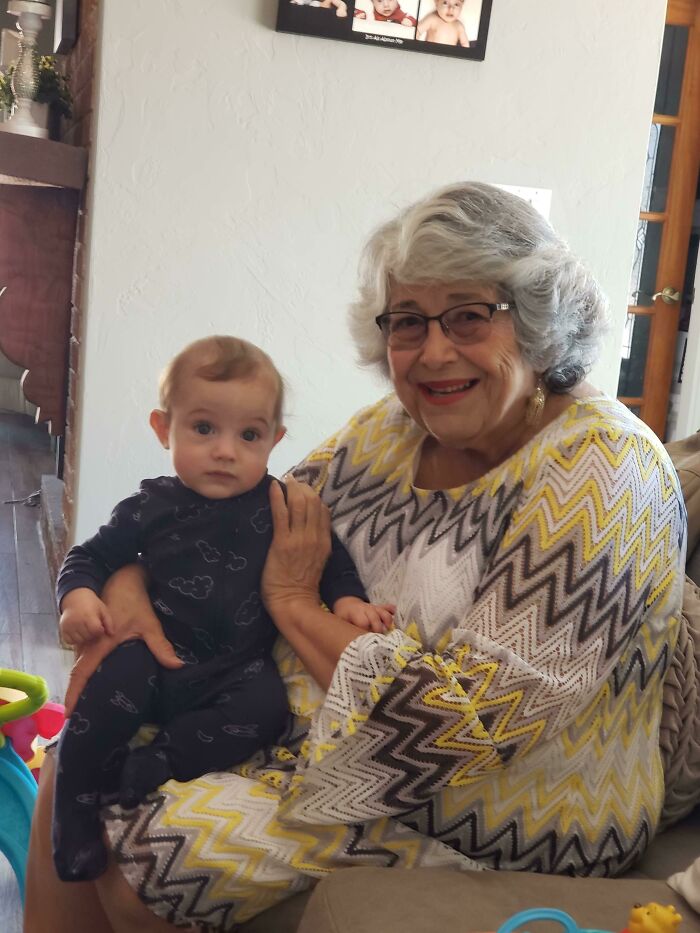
(444, 327)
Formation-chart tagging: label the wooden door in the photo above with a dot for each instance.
(37, 237)
(663, 234)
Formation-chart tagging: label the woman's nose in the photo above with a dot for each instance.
(437, 348)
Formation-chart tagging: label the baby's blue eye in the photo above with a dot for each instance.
(203, 428)
(249, 435)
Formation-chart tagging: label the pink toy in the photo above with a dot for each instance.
(46, 722)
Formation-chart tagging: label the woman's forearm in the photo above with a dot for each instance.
(317, 637)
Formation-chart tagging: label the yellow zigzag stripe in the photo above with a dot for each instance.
(613, 530)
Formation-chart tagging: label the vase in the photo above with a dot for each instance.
(30, 16)
(40, 115)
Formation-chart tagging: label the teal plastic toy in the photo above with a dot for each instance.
(17, 785)
(544, 913)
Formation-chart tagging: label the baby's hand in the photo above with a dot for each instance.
(406, 22)
(84, 617)
(360, 14)
(364, 615)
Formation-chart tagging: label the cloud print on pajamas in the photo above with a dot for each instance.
(186, 513)
(197, 587)
(261, 521)
(248, 611)
(78, 724)
(235, 562)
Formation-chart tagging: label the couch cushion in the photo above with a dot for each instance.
(392, 900)
(679, 732)
(671, 851)
(283, 918)
(686, 459)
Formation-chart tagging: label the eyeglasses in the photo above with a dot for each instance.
(465, 323)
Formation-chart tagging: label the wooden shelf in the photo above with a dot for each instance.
(28, 160)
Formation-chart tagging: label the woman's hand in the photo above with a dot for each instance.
(301, 545)
(132, 616)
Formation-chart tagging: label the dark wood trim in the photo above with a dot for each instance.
(42, 161)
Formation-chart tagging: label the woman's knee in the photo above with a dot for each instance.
(122, 905)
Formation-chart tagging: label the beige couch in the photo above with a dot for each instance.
(386, 900)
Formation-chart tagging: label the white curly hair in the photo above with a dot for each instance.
(477, 232)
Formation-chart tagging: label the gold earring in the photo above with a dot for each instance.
(535, 405)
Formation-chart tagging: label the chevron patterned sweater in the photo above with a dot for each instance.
(511, 718)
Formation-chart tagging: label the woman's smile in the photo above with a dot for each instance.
(446, 391)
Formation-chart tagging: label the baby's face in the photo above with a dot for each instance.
(385, 7)
(221, 434)
(449, 10)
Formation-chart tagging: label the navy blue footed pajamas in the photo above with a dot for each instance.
(204, 559)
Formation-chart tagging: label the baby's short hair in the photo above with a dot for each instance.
(217, 359)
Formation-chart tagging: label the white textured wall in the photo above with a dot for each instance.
(238, 171)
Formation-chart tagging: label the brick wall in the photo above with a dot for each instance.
(79, 63)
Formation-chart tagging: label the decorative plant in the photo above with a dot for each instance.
(53, 87)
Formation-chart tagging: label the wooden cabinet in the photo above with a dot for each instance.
(40, 183)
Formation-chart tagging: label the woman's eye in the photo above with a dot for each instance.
(409, 322)
(203, 428)
(250, 435)
(464, 315)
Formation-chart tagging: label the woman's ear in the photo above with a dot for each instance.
(160, 422)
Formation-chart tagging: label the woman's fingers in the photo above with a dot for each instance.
(87, 663)
(278, 508)
(161, 649)
(106, 620)
(311, 517)
(297, 504)
(308, 519)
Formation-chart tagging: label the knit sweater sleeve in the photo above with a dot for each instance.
(587, 569)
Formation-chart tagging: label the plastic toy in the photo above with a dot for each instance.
(46, 722)
(544, 913)
(17, 785)
(646, 918)
(653, 918)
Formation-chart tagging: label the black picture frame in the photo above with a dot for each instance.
(65, 26)
(391, 29)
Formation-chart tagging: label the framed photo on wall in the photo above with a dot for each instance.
(457, 28)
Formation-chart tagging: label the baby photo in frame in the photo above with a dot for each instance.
(457, 28)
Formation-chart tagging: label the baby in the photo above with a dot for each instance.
(388, 11)
(341, 7)
(203, 536)
(444, 25)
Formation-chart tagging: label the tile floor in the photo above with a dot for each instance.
(28, 621)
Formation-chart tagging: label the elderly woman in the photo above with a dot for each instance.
(530, 533)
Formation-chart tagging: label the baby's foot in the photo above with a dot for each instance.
(79, 854)
(85, 864)
(144, 771)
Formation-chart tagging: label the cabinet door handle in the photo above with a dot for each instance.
(668, 295)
